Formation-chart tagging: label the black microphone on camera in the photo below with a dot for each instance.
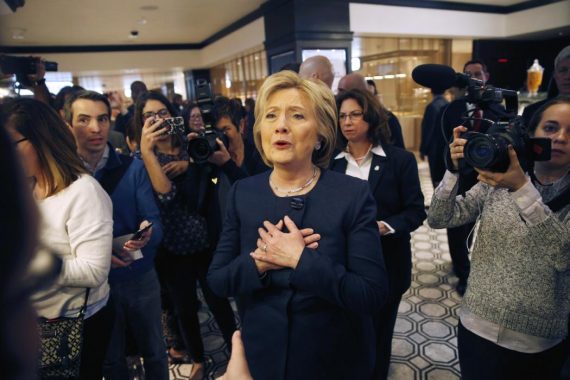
(434, 76)
(297, 203)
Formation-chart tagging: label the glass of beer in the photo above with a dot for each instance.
(534, 78)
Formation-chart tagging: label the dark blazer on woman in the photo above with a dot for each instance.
(395, 185)
(314, 322)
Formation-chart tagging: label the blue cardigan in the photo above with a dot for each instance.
(314, 321)
(133, 202)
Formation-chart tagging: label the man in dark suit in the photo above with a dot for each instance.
(433, 144)
(451, 117)
(560, 85)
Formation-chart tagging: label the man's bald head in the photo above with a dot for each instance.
(352, 81)
(317, 67)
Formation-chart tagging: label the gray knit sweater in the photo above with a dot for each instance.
(520, 273)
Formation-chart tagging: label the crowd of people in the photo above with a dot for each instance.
(302, 212)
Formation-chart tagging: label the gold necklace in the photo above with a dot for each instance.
(305, 185)
(359, 158)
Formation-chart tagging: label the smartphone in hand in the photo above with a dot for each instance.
(139, 234)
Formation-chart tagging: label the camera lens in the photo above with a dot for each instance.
(199, 150)
(481, 151)
(488, 151)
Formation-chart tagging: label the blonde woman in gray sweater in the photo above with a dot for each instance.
(514, 317)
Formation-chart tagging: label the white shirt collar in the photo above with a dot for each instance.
(377, 150)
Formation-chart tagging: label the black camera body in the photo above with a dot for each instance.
(22, 67)
(202, 147)
(482, 94)
(174, 125)
(489, 151)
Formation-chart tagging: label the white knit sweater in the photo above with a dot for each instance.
(77, 224)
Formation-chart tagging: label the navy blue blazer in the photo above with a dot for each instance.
(314, 321)
(395, 185)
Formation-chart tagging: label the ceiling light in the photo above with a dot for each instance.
(18, 33)
(149, 8)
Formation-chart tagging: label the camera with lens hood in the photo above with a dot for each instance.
(202, 147)
(489, 151)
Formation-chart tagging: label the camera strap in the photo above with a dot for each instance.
(561, 200)
(558, 202)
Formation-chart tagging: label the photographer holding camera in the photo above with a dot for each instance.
(450, 117)
(182, 190)
(514, 316)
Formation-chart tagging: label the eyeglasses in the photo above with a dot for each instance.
(353, 116)
(162, 114)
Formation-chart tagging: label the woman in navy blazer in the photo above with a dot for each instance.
(306, 306)
(392, 175)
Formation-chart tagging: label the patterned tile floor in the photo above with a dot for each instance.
(424, 345)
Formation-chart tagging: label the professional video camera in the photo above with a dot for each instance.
(202, 147)
(487, 148)
(22, 67)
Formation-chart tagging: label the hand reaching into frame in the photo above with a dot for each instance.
(237, 367)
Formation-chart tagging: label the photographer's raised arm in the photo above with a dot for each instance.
(150, 132)
(448, 210)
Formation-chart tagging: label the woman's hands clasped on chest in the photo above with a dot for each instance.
(277, 249)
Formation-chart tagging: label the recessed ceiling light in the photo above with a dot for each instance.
(149, 8)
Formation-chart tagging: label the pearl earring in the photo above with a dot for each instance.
(318, 145)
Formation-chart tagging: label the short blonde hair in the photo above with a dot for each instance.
(322, 100)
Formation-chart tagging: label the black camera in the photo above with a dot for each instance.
(205, 101)
(488, 140)
(202, 147)
(489, 151)
(174, 125)
(22, 67)
(483, 94)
